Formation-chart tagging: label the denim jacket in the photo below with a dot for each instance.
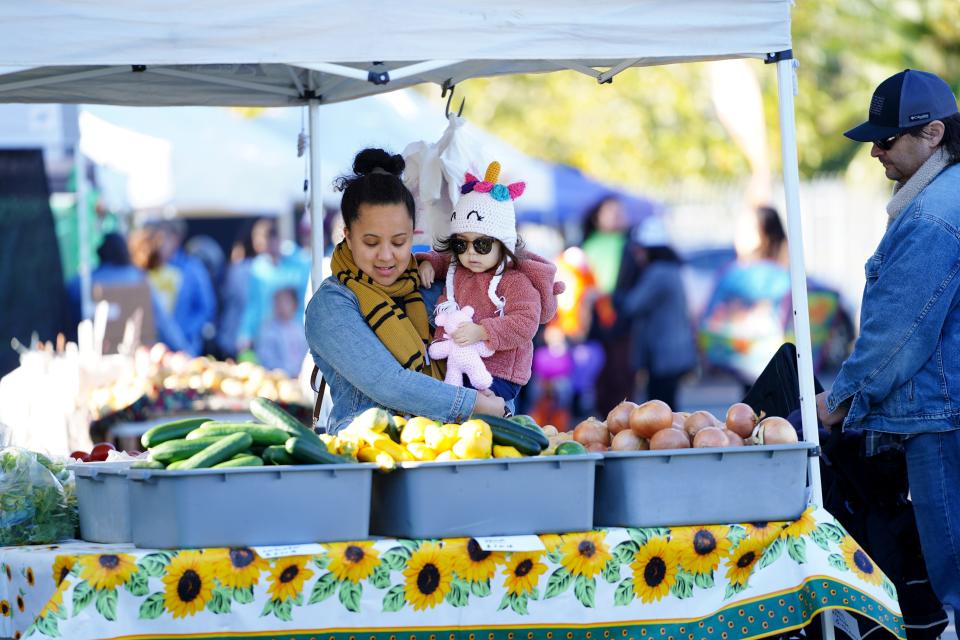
(904, 373)
(362, 373)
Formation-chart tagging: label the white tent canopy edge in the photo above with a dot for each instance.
(243, 52)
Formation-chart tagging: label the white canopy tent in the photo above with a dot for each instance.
(288, 52)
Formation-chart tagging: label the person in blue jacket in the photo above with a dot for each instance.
(196, 303)
(901, 384)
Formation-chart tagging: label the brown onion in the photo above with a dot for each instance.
(733, 439)
(591, 431)
(619, 417)
(678, 418)
(741, 419)
(596, 447)
(651, 417)
(626, 441)
(669, 439)
(710, 437)
(776, 431)
(697, 421)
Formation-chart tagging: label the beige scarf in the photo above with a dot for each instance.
(905, 192)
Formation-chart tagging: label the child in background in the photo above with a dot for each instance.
(282, 343)
(511, 291)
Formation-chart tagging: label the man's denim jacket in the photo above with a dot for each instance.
(904, 373)
(362, 373)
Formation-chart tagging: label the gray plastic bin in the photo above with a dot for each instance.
(505, 496)
(702, 486)
(246, 506)
(103, 501)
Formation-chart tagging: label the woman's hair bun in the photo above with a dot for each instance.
(368, 160)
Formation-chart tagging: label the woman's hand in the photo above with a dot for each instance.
(490, 405)
(828, 418)
(469, 333)
(426, 273)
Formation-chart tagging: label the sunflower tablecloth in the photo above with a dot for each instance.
(725, 582)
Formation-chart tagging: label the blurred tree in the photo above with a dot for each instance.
(656, 126)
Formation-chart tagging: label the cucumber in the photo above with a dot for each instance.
(240, 461)
(269, 412)
(277, 454)
(173, 466)
(173, 450)
(170, 431)
(147, 464)
(514, 435)
(218, 452)
(306, 450)
(262, 434)
(570, 448)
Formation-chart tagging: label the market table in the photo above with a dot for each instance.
(730, 581)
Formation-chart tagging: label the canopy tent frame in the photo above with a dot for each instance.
(517, 37)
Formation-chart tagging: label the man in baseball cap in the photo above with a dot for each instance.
(901, 384)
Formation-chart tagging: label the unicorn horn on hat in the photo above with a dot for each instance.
(501, 192)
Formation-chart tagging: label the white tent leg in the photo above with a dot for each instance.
(83, 234)
(798, 282)
(316, 195)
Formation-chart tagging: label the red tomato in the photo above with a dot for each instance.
(100, 451)
(83, 456)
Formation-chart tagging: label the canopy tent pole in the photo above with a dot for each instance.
(83, 232)
(316, 196)
(786, 83)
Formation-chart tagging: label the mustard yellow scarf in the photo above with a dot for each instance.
(396, 313)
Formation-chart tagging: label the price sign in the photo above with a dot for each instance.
(283, 551)
(511, 543)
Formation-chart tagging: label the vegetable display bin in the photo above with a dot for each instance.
(702, 486)
(245, 506)
(504, 496)
(103, 501)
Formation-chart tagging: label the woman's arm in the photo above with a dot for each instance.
(336, 333)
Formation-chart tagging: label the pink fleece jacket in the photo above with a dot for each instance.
(530, 300)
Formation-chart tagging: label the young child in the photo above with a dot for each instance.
(282, 343)
(511, 291)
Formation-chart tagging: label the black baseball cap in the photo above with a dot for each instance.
(902, 101)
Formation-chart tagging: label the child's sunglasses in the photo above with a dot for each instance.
(483, 245)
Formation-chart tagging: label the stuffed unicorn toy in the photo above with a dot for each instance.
(461, 360)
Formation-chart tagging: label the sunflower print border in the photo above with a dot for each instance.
(605, 580)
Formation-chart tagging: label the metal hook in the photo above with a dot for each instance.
(448, 86)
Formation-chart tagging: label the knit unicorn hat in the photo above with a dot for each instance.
(486, 207)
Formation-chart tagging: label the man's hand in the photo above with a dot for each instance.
(828, 418)
(469, 333)
(426, 273)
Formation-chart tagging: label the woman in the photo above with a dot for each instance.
(655, 306)
(367, 324)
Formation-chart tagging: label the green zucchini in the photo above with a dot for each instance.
(173, 450)
(218, 452)
(147, 464)
(511, 434)
(305, 450)
(524, 419)
(243, 460)
(269, 412)
(277, 454)
(170, 431)
(262, 434)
